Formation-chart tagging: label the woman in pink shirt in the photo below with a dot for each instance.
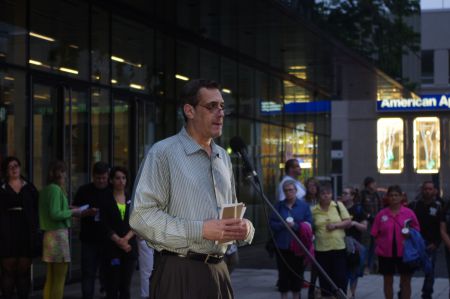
(387, 231)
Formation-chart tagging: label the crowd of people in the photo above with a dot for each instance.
(36, 224)
(183, 181)
(175, 236)
(360, 231)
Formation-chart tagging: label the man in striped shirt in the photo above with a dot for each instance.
(183, 181)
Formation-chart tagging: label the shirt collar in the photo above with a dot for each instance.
(191, 146)
(317, 205)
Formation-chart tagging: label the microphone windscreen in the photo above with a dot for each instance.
(237, 144)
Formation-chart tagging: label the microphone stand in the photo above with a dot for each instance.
(254, 180)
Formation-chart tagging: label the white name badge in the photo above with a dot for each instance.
(384, 218)
(433, 211)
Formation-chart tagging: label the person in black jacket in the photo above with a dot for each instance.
(91, 235)
(121, 247)
(19, 230)
(428, 208)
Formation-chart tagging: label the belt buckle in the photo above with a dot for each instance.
(207, 258)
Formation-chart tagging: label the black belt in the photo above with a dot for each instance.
(202, 257)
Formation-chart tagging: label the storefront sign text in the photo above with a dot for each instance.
(425, 103)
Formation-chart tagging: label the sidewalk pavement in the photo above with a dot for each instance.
(260, 284)
(256, 276)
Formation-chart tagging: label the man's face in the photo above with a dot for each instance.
(100, 180)
(295, 170)
(428, 190)
(208, 113)
(372, 186)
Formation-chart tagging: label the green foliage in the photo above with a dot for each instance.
(375, 28)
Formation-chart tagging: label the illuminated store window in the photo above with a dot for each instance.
(426, 144)
(300, 143)
(390, 145)
(271, 145)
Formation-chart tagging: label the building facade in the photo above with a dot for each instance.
(87, 81)
(399, 138)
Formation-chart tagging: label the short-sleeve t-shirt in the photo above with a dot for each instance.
(329, 240)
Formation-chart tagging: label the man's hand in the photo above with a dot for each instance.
(224, 230)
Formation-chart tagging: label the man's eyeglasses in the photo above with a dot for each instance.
(289, 190)
(214, 107)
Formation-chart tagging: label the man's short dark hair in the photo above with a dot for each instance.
(426, 183)
(368, 180)
(190, 91)
(100, 168)
(289, 164)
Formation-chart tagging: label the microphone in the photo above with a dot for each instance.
(238, 146)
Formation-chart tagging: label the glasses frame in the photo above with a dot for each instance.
(213, 107)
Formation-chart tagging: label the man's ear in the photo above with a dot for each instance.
(188, 111)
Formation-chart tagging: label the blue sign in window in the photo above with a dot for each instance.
(296, 107)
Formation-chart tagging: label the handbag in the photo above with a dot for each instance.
(352, 246)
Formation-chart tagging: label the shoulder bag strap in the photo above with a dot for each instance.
(338, 209)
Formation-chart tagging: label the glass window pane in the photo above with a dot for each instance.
(58, 37)
(427, 60)
(100, 123)
(162, 81)
(121, 133)
(13, 119)
(261, 90)
(427, 153)
(100, 46)
(132, 55)
(45, 131)
(228, 81)
(209, 65)
(146, 127)
(300, 143)
(246, 91)
(271, 146)
(390, 145)
(76, 137)
(12, 31)
(187, 64)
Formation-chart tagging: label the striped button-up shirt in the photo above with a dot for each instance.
(178, 187)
